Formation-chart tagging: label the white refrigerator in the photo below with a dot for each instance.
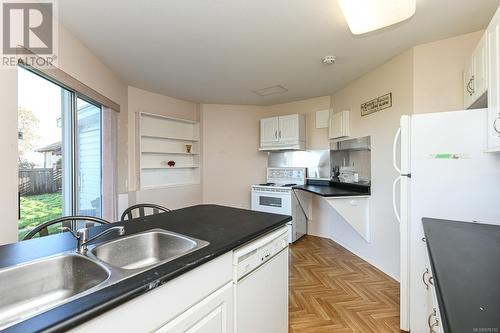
(444, 173)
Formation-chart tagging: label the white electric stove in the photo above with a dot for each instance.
(276, 196)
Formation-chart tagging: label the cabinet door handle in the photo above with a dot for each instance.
(472, 85)
(435, 324)
(433, 314)
(423, 278)
(495, 125)
(436, 321)
(469, 88)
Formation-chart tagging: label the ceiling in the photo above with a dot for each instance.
(220, 51)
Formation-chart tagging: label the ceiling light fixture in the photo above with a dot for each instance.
(364, 16)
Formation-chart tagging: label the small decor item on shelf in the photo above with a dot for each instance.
(171, 164)
(188, 148)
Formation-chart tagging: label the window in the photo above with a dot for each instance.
(60, 152)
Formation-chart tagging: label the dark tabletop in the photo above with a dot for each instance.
(465, 260)
(334, 189)
(225, 228)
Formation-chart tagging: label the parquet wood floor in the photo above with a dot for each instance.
(334, 291)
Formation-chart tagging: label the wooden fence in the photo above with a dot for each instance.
(39, 181)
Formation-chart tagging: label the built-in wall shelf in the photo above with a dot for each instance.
(168, 153)
(171, 168)
(170, 138)
(162, 140)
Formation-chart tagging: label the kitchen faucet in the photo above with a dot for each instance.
(82, 236)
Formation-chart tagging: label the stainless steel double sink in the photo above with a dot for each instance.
(37, 286)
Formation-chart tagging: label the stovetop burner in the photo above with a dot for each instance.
(268, 184)
(288, 185)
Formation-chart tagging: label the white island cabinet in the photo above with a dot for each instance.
(213, 314)
(200, 300)
(242, 290)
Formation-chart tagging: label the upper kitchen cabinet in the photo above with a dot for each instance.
(339, 126)
(283, 133)
(493, 47)
(269, 131)
(476, 76)
(481, 68)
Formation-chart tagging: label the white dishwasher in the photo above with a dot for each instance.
(260, 277)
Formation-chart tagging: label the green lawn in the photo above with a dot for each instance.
(37, 209)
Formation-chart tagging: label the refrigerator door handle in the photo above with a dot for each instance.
(394, 205)
(394, 150)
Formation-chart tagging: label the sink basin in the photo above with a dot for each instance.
(146, 249)
(34, 287)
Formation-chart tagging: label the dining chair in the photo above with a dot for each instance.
(71, 221)
(128, 214)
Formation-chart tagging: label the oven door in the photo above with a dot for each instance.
(272, 202)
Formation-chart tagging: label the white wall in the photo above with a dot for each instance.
(395, 76)
(231, 162)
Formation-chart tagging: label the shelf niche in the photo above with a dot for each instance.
(163, 139)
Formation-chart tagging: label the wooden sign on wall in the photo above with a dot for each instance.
(376, 104)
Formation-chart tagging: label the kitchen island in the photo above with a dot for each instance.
(224, 228)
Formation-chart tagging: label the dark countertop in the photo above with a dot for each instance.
(333, 189)
(465, 260)
(225, 228)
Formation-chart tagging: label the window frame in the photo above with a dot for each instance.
(70, 135)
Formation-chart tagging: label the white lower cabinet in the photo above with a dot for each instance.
(434, 320)
(214, 314)
(424, 309)
(424, 306)
(434, 323)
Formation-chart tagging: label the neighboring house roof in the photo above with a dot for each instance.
(54, 148)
